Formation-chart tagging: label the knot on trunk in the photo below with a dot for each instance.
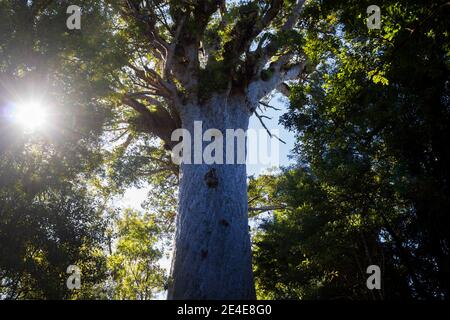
(211, 179)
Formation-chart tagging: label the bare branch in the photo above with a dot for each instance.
(120, 136)
(272, 12)
(266, 208)
(260, 117)
(269, 106)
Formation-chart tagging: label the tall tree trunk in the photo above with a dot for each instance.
(212, 257)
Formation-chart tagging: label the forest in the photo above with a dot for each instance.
(99, 99)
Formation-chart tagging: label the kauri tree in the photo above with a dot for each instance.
(210, 61)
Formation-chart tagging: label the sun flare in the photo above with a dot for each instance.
(30, 115)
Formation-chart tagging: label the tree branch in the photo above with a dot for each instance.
(263, 54)
(266, 208)
(158, 122)
(260, 118)
(281, 71)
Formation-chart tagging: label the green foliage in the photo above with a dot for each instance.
(372, 181)
(49, 217)
(46, 224)
(316, 247)
(134, 266)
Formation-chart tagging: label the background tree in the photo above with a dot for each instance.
(134, 262)
(49, 216)
(371, 183)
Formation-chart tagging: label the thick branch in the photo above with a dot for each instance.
(249, 26)
(284, 89)
(294, 16)
(158, 122)
(263, 54)
(280, 72)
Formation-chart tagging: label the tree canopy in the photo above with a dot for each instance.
(371, 183)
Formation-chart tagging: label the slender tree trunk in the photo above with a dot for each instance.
(212, 256)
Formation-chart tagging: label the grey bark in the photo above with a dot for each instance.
(212, 257)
